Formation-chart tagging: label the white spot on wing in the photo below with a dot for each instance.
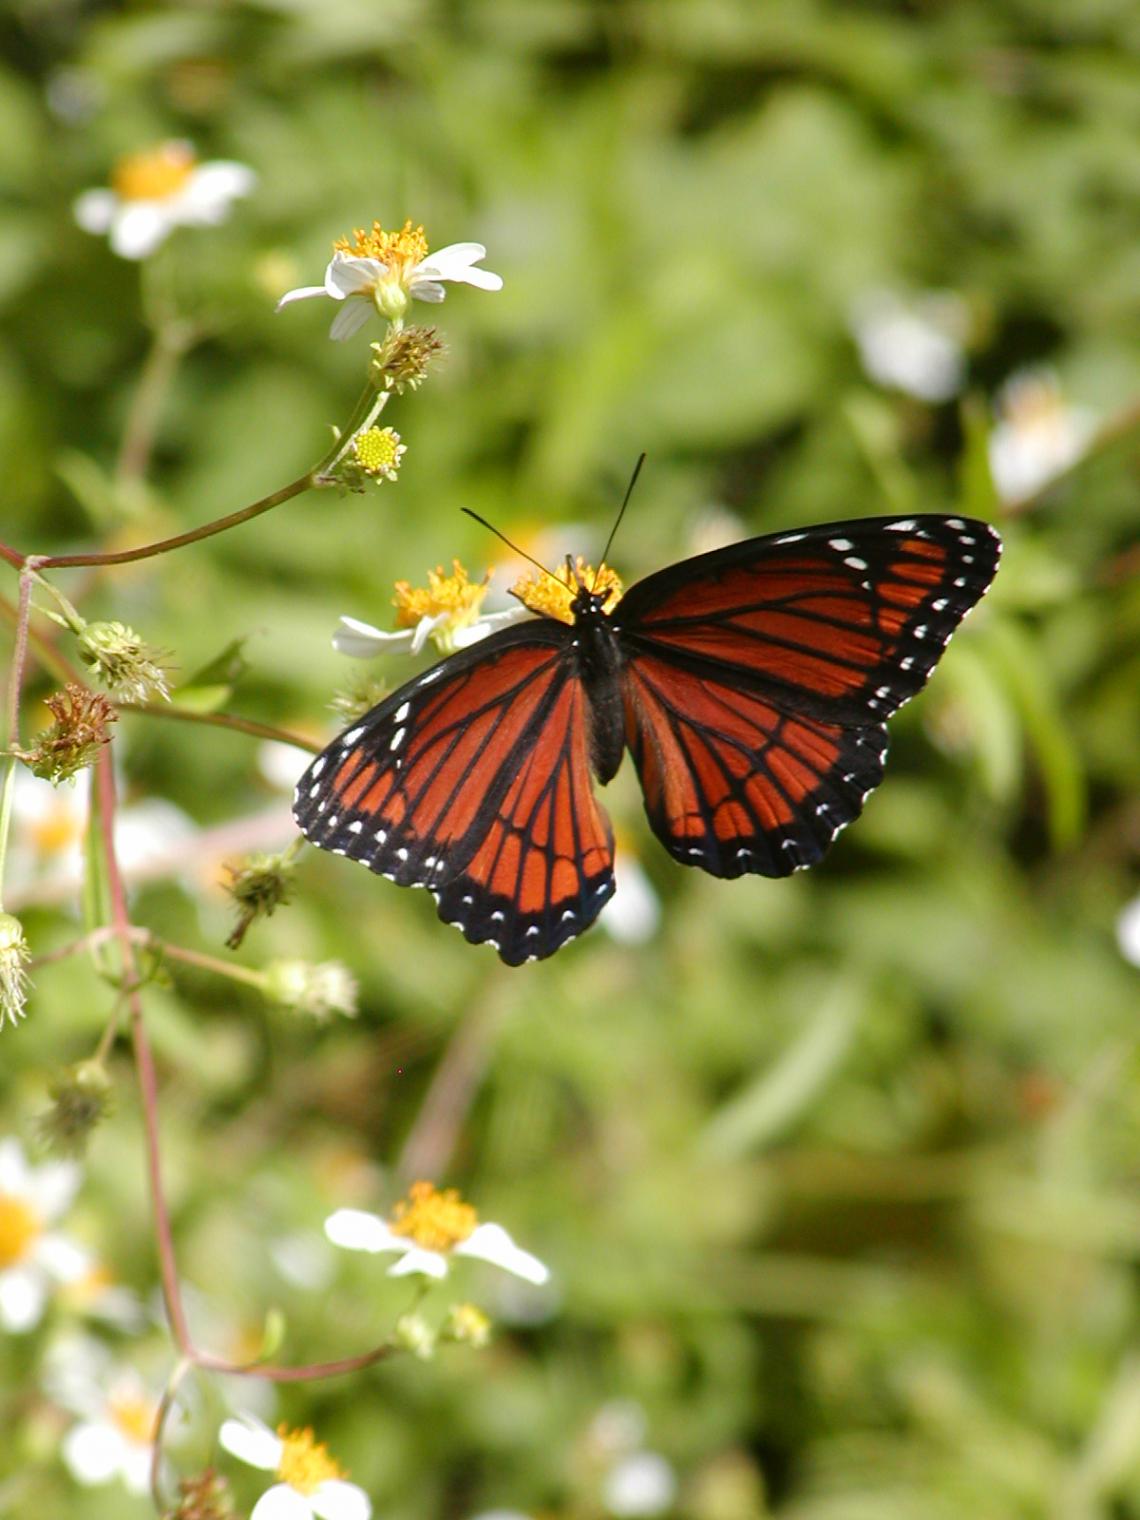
(397, 738)
(402, 711)
(318, 766)
(908, 526)
(352, 736)
(841, 545)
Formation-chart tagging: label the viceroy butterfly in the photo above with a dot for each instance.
(751, 686)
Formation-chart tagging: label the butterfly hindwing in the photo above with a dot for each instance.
(843, 622)
(544, 870)
(733, 784)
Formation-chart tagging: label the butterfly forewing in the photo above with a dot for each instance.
(473, 781)
(844, 621)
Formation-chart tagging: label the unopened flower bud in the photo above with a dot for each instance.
(129, 668)
(81, 1099)
(317, 990)
(413, 1333)
(467, 1324)
(14, 956)
(258, 887)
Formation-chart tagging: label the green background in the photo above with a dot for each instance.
(837, 1176)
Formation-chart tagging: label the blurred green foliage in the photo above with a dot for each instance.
(837, 1175)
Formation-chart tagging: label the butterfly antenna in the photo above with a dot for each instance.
(621, 514)
(514, 548)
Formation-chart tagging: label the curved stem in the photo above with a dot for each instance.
(369, 405)
(221, 720)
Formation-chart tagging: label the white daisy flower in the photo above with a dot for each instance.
(913, 344)
(115, 1439)
(1128, 931)
(33, 1256)
(447, 610)
(311, 1485)
(641, 1484)
(1037, 435)
(154, 191)
(427, 1229)
(382, 272)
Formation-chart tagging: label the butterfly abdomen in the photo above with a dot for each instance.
(599, 661)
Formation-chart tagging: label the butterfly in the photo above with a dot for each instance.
(750, 685)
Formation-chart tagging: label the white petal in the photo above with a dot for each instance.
(357, 1230)
(488, 623)
(138, 229)
(22, 1298)
(54, 1185)
(282, 1503)
(430, 1263)
(135, 1466)
(348, 276)
(62, 1258)
(641, 1484)
(424, 629)
(94, 210)
(426, 290)
(350, 319)
(337, 1500)
(250, 1441)
(490, 1242)
(210, 191)
(94, 1451)
(455, 262)
(453, 256)
(302, 293)
(1128, 931)
(482, 279)
(15, 1173)
(362, 641)
(633, 914)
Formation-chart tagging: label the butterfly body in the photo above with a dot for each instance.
(750, 685)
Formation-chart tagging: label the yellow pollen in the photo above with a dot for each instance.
(378, 451)
(19, 1229)
(454, 595)
(434, 1220)
(136, 1417)
(305, 1463)
(397, 251)
(551, 594)
(155, 174)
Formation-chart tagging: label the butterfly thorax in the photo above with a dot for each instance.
(599, 660)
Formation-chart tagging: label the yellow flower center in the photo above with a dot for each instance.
(60, 827)
(397, 251)
(305, 1463)
(434, 1220)
(378, 450)
(154, 175)
(454, 595)
(552, 592)
(19, 1229)
(135, 1416)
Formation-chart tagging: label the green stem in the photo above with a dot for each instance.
(370, 404)
(6, 820)
(171, 342)
(220, 720)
